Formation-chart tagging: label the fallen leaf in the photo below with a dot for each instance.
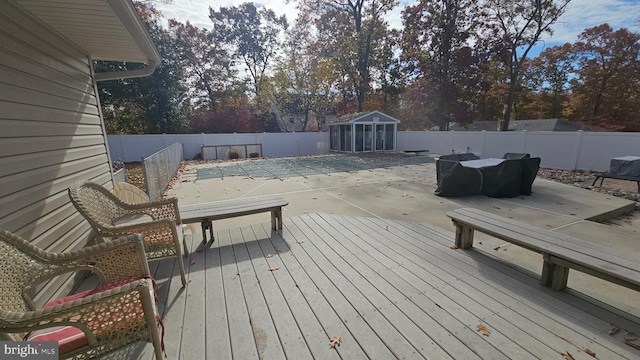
(387, 228)
(300, 241)
(268, 256)
(483, 330)
(193, 261)
(567, 356)
(454, 246)
(335, 341)
(567, 340)
(630, 337)
(273, 268)
(497, 207)
(590, 352)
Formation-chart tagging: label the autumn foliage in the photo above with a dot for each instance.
(228, 119)
(454, 61)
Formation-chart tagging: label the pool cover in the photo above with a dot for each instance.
(279, 168)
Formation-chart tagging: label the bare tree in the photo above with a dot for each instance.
(518, 25)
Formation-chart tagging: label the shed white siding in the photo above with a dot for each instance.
(51, 135)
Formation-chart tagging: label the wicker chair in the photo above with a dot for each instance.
(158, 221)
(130, 193)
(119, 313)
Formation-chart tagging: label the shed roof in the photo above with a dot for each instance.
(109, 30)
(362, 117)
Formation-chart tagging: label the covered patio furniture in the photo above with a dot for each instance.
(466, 175)
(86, 325)
(158, 221)
(514, 156)
(456, 180)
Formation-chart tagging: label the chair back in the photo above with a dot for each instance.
(97, 204)
(20, 268)
(130, 194)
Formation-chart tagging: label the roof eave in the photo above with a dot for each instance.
(128, 15)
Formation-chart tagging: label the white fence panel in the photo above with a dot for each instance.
(557, 150)
(412, 140)
(597, 149)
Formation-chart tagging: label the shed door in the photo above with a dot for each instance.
(364, 137)
(384, 137)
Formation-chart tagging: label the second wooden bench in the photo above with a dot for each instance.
(560, 252)
(205, 213)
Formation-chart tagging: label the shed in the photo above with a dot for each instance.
(363, 132)
(51, 125)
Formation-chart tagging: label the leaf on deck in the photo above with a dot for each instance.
(567, 340)
(193, 261)
(273, 268)
(483, 330)
(567, 356)
(335, 341)
(454, 246)
(590, 352)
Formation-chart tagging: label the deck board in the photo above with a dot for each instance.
(389, 289)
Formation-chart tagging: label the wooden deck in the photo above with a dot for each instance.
(388, 289)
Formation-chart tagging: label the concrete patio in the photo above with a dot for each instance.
(365, 255)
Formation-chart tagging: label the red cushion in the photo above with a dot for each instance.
(70, 337)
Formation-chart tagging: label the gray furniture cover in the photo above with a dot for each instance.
(625, 166)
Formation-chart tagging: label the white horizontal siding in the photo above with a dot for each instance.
(51, 135)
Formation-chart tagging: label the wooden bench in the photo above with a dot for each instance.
(205, 213)
(560, 252)
(601, 177)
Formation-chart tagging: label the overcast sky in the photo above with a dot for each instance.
(582, 14)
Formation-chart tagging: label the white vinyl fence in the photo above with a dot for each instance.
(559, 150)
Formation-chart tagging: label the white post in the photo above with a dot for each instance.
(453, 149)
(578, 149)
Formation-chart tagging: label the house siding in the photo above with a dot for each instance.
(51, 135)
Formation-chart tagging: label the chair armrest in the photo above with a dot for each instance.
(119, 259)
(144, 228)
(96, 315)
(161, 209)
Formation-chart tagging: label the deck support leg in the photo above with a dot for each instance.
(554, 275)
(207, 224)
(464, 236)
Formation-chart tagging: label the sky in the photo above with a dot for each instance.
(581, 14)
